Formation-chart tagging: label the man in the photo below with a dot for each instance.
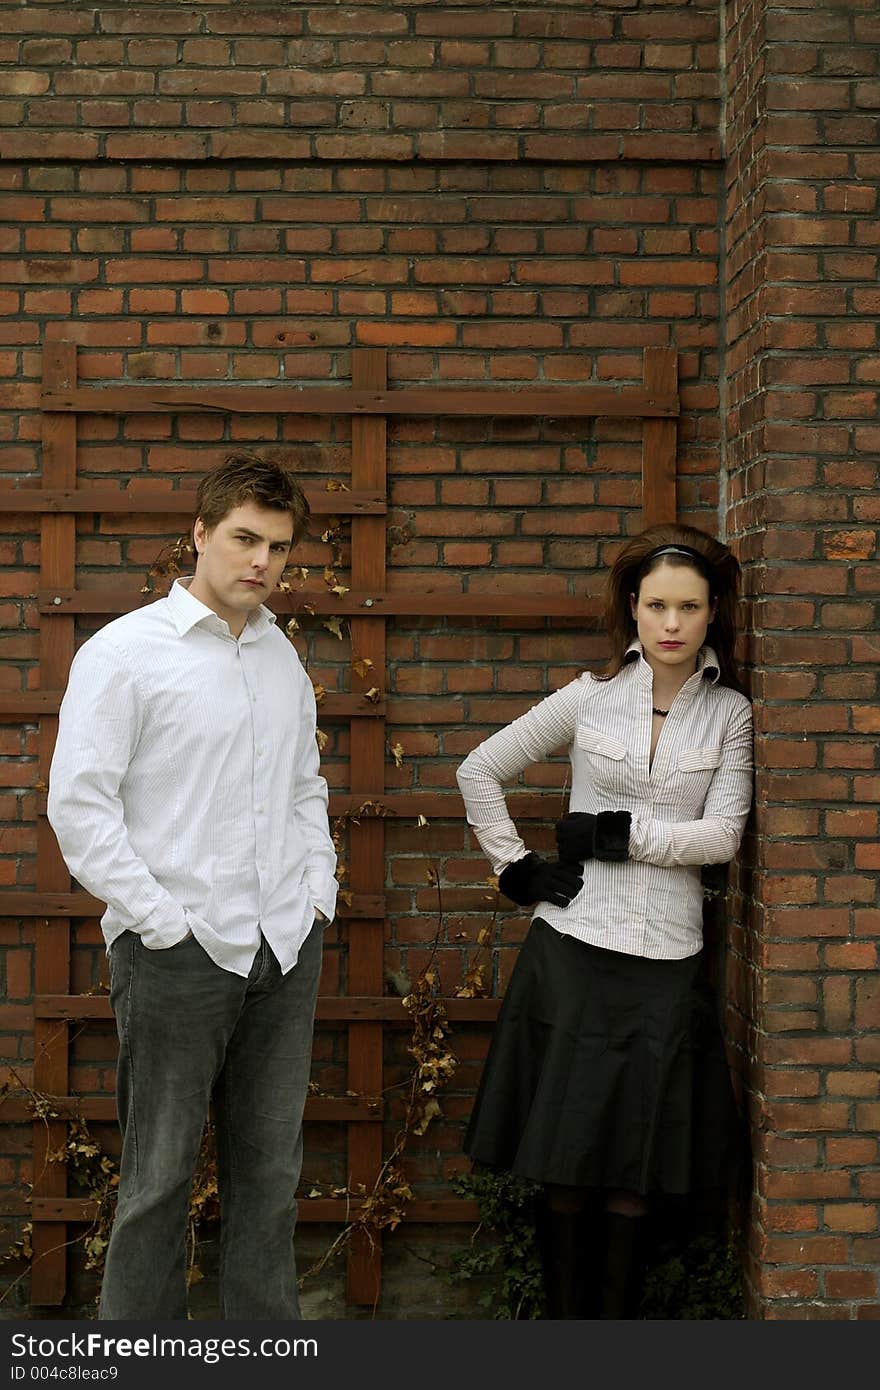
(185, 793)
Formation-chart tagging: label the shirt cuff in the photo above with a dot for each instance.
(164, 927)
(501, 843)
(324, 898)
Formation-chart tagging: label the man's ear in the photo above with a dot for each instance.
(200, 531)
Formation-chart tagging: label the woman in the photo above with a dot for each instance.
(606, 1079)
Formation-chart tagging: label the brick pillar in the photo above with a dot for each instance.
(802, 442)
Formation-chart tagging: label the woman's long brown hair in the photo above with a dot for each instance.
(716, 564)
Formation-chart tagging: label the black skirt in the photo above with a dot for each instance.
(606, 1070)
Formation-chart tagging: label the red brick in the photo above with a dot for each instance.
(849, 1284)
(850, 1216)
(788, 1283)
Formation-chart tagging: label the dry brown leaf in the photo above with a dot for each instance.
(430, 1111)
(474, 986)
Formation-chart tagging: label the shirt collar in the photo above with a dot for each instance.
(707, 662)
(188, 612)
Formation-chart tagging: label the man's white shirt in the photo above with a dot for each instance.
(185, 789)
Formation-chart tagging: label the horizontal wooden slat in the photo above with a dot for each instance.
(440, 1209)
(413, 602)
(330, 1008)
(331, 707)
(558, 401)
(314, 1209)
(341, 707)
(17, 904)
(63, 1209)
(398, 710)
(549, 805)
(28, 702)
(72, 1006)
(102, 1109)
(178, 503)
(390, 1009)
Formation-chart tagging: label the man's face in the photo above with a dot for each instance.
(240, 560)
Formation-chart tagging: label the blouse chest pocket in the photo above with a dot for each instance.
(699, 759)
(605, 757)
(696, 768)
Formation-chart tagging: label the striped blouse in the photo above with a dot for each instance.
(689, 806)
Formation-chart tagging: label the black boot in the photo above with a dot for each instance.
(623, 1275)
(570, 1259)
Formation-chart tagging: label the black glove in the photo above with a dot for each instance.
(580, 836)
(532, 880)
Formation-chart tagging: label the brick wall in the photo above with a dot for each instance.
(801, 305)
(378, 81)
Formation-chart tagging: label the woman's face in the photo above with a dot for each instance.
(672, 612)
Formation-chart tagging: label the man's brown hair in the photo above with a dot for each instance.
(244, 478)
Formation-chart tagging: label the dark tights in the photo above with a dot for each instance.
(591, 1252)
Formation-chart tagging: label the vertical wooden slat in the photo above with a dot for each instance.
(52, 945)
(367, 841)
(659, 440)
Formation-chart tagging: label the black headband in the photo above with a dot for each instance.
(699, 561)
(678, 550)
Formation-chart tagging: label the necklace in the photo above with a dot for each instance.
(662, 712)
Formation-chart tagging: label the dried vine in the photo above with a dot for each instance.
(96, 1176)
(434, 1064)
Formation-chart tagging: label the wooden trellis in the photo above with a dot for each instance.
(367, 605)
